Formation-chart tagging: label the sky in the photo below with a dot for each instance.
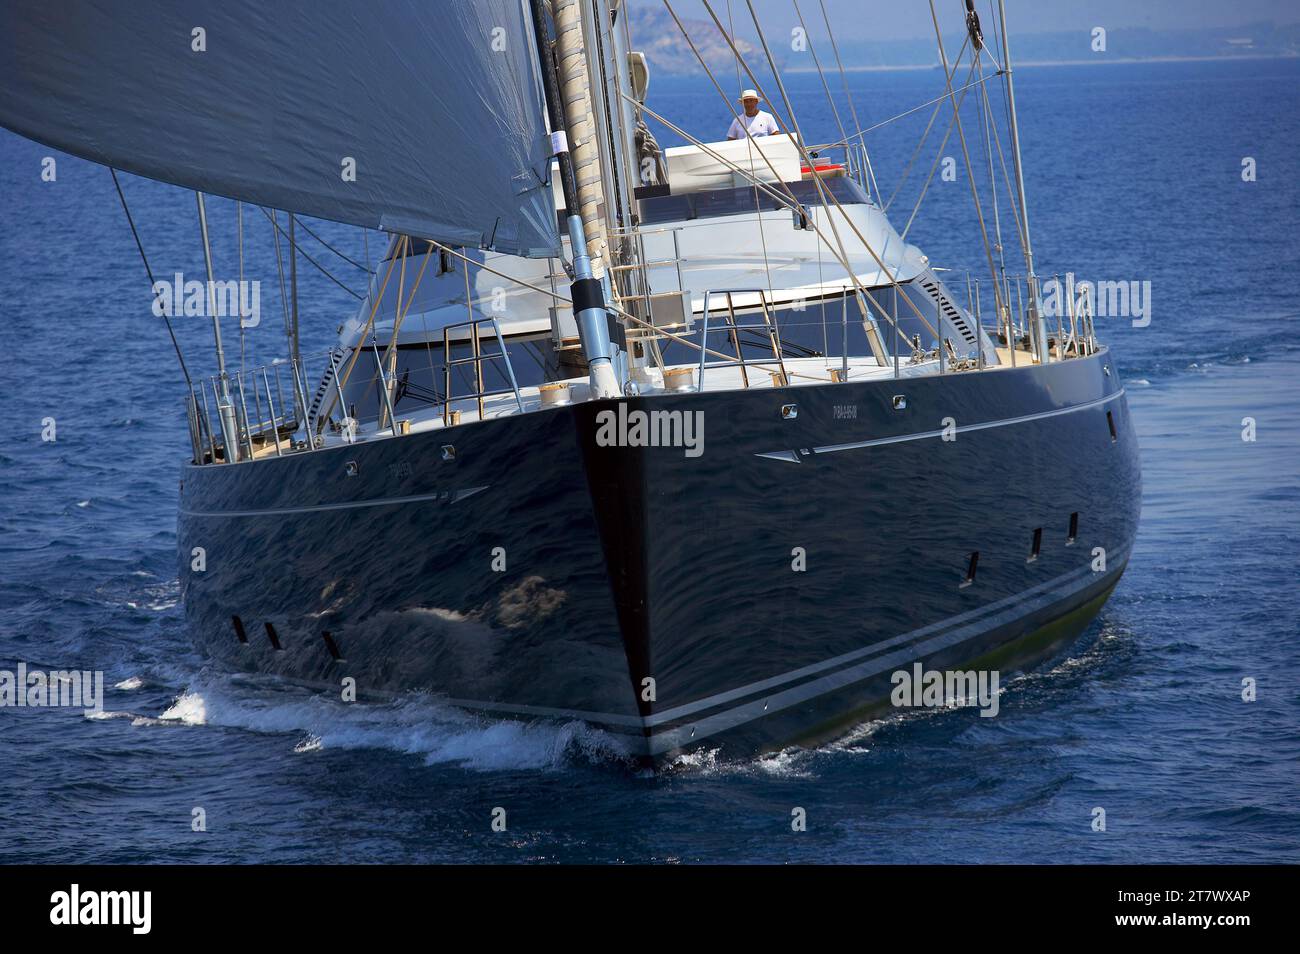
(910, 19)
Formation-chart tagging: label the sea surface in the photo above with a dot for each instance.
(1134, 173)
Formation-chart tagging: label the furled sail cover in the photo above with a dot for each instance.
(438, 102)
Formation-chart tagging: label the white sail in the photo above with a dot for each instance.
(435, 106)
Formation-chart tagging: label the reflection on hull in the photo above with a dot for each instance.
(538, 574)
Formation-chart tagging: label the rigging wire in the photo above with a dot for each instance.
(731, 22)
(840, 254)
(777, 179)
(299, 384)
(284, 295)
(786, 199)
(853, 110)
(345, 258)
(817, 179)
(925, 134)
(758, 205)
(341, 380)
(907, 170)
(239, 302)
(823, 193)
(762, 232)
(625, 315)
(986, 129)
(1006, 175)
(149, 272)
(934, 166)
(390, 356)
(857, 136)
(791, 203)
(907, 112)
(844, 135)
(319, 267)
(965, 151)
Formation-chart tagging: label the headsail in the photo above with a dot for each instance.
(438, 105)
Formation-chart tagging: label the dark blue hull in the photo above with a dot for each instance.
(624, 564)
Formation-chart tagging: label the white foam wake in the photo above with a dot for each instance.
(415, 724)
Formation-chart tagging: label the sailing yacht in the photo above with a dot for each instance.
(691, 445)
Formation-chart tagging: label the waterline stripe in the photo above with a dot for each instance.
(772, 682)
(793, 456)
(449, 496)
(750, 711)
(964, 621)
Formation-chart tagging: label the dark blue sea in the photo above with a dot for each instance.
(1133, 174)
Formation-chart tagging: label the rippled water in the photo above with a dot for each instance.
(1134, 174)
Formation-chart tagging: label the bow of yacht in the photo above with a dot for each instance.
(691, 444)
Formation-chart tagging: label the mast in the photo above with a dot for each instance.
(1035, 314)
(607, 64)
(608, 42)
(587, 291)
(577, 76)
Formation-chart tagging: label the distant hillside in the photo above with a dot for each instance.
(656, 34)
(654, 31)
(1136, 43)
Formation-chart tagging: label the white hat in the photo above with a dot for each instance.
(750, 94)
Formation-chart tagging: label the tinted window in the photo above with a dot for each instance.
(694, 205)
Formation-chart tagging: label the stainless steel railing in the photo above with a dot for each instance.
(263, 411)
(257, 411)
(475, 360)
(767, 329)
(1074, 334)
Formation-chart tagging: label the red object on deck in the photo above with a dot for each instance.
(830, 167)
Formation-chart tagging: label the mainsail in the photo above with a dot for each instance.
(436, 107)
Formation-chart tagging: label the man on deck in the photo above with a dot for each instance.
(756, 121)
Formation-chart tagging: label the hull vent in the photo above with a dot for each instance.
(331, 646)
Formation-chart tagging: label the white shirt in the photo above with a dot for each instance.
(760, 124)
